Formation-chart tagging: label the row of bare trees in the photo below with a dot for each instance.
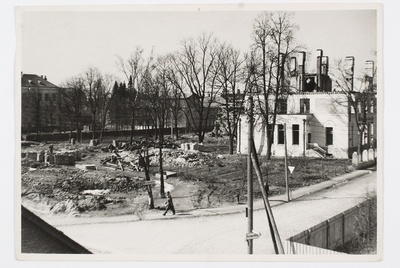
(87, 95)
(205, 68)
(187, 83)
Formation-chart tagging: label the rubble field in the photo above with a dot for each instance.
(108, 179)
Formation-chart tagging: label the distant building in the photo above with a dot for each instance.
(40, 104)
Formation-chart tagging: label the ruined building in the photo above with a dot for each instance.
(319, 121)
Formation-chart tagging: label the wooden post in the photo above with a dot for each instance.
(250, 178)
(304, 138)
(286, 164)
(271, 221)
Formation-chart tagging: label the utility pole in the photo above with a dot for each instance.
(349, 73)
(172, 125)
(271, 221)
(250, 178)
(286, 164)
(304, 138)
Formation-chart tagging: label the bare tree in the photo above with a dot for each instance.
(105, 100)
(176, 110)
(133, 68)
(361, 96)
(144, 156)
(73, 102)
(156, 90)
(195, 65)
(93, 87)
(273, 41)
(229, 76)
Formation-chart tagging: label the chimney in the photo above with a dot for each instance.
(45, 78)
(319, 69)
(325, 65)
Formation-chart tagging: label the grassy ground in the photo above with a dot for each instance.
(219, 182)
(227, 183)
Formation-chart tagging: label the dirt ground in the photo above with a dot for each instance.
(206, 178)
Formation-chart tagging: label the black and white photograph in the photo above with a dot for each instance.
(230, 132)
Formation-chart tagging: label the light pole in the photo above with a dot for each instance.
(250, 177)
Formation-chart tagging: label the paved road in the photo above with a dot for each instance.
(222, 234)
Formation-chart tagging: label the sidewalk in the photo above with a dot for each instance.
(258, 205)
(274, 200)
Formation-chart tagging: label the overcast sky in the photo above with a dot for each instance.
(60, 44)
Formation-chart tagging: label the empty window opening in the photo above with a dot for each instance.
(281, 135)
(296, 134)
(304, 106)
(329, 136)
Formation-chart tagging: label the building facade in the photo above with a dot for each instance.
(317, 120)
(40, 104)
(316, 123)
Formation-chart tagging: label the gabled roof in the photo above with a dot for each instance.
(33, 80)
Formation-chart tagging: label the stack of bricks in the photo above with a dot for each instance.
(63, 159)
(31, 155)
(194, 146)
(77, 153)
(40, 156)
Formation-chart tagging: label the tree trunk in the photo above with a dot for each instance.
(156, 129)
(132, 126)
(162, 192)
(360, 134)
(101, 134)
(176, 129)
(94, 126)
(78, 132)
(270, 134)
(231, 141)
(103, 126)
(147, 174)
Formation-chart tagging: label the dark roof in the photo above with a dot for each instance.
(33, 80)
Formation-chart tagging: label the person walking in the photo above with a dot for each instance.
(169, 204)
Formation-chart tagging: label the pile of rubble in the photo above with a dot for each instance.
(140, 144)
(62, 157)
(79, 192)
(180, 158)
(187, 155)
